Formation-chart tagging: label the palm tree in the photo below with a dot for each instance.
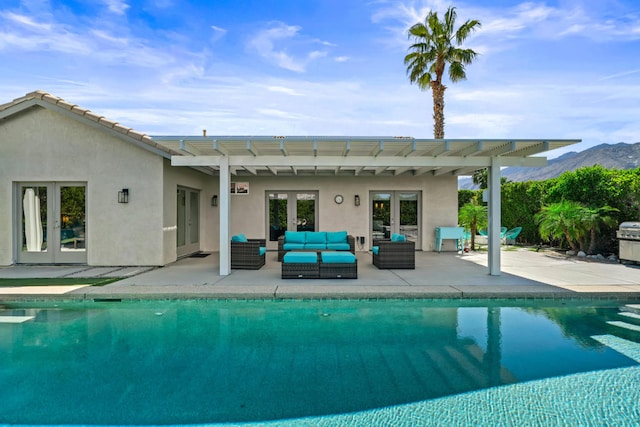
(562, 220)
(473, 217)
(593, 219)
(436, 45)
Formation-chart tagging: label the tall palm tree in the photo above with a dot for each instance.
(436, 45)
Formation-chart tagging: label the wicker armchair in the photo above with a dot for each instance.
(394, 254)
(247, 255)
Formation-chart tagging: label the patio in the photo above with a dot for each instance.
(526, 274)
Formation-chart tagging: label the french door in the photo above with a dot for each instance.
(290, 210)
(188, 221)
(395, 212)
(51, 226)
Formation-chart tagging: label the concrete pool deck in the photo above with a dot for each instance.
(525, 274)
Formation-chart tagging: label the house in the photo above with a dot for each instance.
(79, 188)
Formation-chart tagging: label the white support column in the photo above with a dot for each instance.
(495, 219)
(225, 209)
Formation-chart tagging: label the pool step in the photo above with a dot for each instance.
(631, 317)
(631, 308)
(624, 325)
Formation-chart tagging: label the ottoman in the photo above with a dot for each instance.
(300, 265)
(338, 265)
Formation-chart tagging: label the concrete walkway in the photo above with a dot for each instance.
(525, 274)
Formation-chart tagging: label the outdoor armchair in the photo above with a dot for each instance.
(247, 254)
(510, 236)
(390, 254)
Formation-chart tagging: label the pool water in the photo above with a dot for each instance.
(205, 362)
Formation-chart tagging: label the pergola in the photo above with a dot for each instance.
(356, 156)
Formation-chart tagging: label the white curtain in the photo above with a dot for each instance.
(32, 221)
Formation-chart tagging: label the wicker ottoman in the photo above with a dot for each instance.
(300, 265)
(338, 265)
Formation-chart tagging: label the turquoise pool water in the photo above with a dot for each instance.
(328, 362)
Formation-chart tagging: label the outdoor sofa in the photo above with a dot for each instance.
(247, 254)
(394, 253)
(315, 241)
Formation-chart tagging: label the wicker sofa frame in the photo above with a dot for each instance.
(394, 255)
(246, 255)
(320, 270)
(350, 239)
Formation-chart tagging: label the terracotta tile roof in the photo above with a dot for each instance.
(43, 98)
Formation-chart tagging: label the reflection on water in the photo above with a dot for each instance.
(193, 362)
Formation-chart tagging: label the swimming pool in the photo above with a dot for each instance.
(329, 362)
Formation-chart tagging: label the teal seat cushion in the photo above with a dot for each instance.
(395, 237)
(293, 246)
(375, 250)
(300, 258)
(316, 237)
(316, 246)
(239, 238)
(263, 250)
(294, 236)
(336, 236)
(338, 257)
(338, 246)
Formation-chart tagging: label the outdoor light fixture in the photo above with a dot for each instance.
(123, 196)
(214, 200)
(356, 200)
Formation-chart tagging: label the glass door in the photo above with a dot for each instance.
(188, 221)
(52, 223)
(284, 215)
(395, 212)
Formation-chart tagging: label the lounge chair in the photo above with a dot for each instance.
(247, 254)
(510, 236)
(394, 254)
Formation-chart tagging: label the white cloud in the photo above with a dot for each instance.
(118, 7)
(276, 42)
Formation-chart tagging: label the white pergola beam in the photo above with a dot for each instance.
(356, 161)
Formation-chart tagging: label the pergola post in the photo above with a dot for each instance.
(495, 219)
(225, 209)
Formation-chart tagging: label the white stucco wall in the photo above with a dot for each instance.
(43, 145)
(439, 203)
(207, 186)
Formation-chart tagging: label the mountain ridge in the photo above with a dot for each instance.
(611, 156)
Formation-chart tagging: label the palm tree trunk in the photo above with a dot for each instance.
(592, 243)
(572, 244)
(438, 109)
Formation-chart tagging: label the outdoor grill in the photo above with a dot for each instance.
(629, 235)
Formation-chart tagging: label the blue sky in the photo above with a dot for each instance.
(554, 69)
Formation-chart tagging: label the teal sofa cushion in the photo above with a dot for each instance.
(316, 237)
(395, 237)
(338, 257)
(239, 238)
(263, 250)
(316, 246)
(336, 237)
(338, 246)
(294, 236)
(375, 250)
(293, 246)
(300, 258)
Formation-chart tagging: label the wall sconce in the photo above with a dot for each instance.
(214, 200)
(123, 196)
(356, 200)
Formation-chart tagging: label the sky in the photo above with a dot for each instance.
(545, 69)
